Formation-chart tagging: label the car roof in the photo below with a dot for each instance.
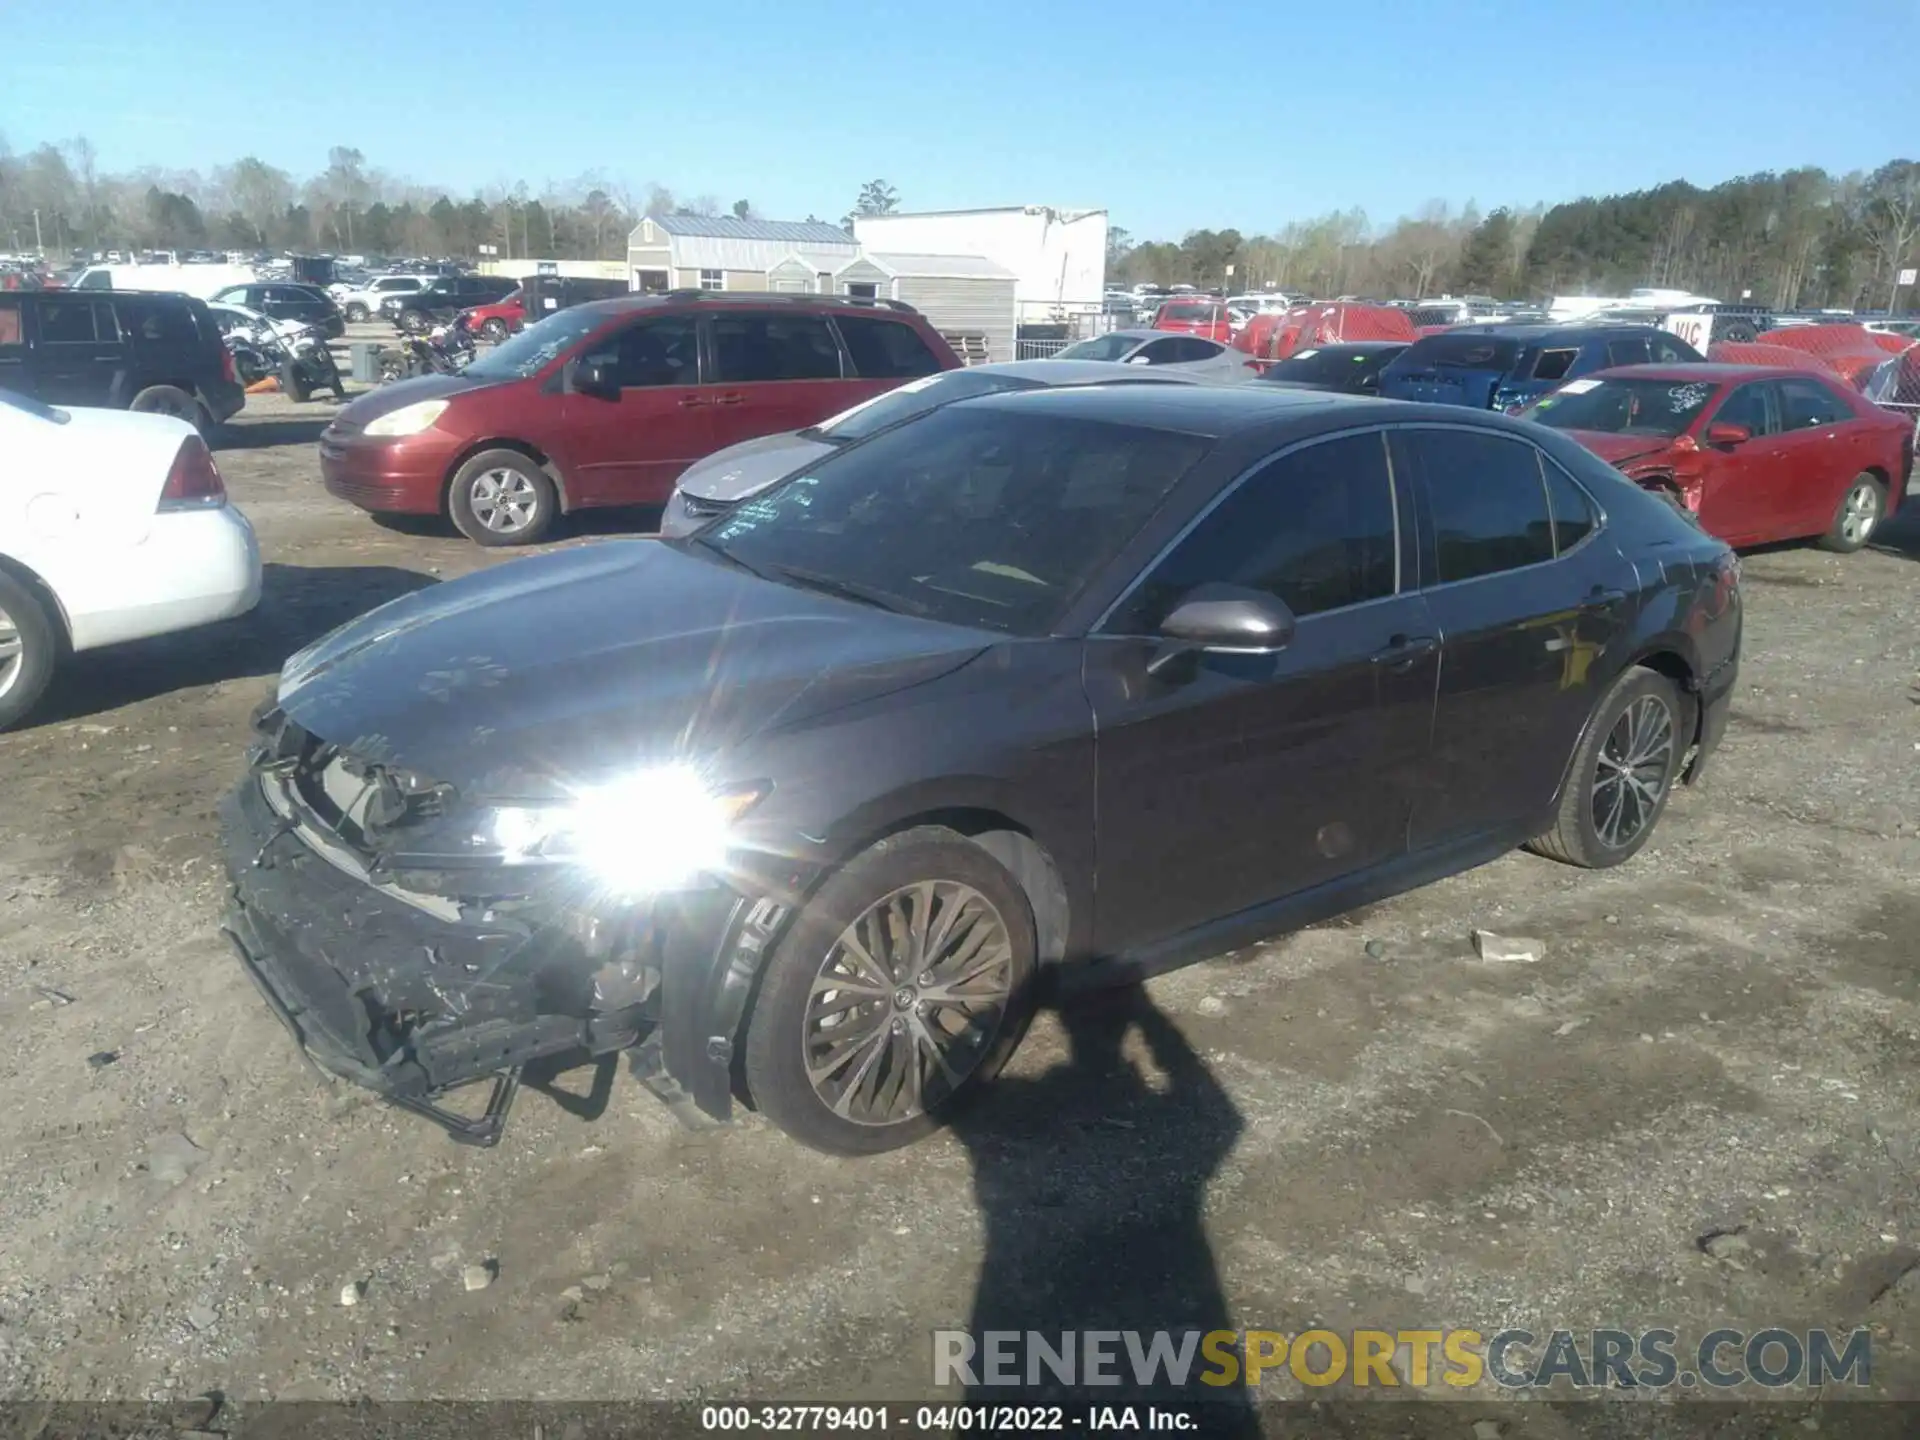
(616, 305)
(1705, 370)
(1536, 332)
(1071, 372)
(1219, 411)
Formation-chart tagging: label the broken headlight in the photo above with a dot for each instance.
(648, 832)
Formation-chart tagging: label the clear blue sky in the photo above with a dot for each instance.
(1171, 116)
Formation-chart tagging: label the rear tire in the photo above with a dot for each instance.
(1857, 516)
(1622, 775)
(897, 1089)
(29, 650)
(168, 400)
(414, 323)
(502, 497)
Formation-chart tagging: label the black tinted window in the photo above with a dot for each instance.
(886, 349)
(1489, 505)
(152, 324)
(1627, 352)
(1573, 513)
(1314, 528)
(748, 348)
(1806, 403)
(1746, 406)
(1156, 352)
(1463, 350)
(1192, 349)
(971, 514)
(1554, 364)
(68, 322)
(654, 352)
(1669, 351)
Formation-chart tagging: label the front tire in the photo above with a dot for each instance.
(356, 313)
(502, 497)
(414, 323)
(29, 648)
(494, 331)
(1858, 515)
(896, 995)
(1622, 775)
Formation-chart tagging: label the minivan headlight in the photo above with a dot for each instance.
(646, 833)
(408, 419)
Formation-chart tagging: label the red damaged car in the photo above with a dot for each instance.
(1756, 453)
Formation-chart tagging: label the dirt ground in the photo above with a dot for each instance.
(1723, 1036)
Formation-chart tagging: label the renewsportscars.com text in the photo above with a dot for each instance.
(1513, 1359)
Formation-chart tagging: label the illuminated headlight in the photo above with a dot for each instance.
(408, 419)
(647, 833)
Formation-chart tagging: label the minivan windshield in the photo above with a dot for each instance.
(535, 347)
(971, 514)
(915, 397)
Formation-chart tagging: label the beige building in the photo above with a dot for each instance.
(719, 252)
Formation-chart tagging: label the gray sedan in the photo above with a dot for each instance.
(723, 479)
(1165, 351)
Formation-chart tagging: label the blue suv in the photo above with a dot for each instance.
(1502, 367)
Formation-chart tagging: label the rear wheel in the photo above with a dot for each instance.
(502, 497)
(1859, 513)
(898, 992)
(29, 646)
(168, 400)
(414, 322)
(1622, 775)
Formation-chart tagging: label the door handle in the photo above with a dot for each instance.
(1403, 652)
(729, 399)
(692, 402)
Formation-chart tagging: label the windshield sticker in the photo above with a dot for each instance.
(1688, 397)
(1579, 387)
(1010, 572)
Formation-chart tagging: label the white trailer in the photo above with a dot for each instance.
(203, 281)
(1058, 257)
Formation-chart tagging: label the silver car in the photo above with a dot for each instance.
(712, 486)
(1167, 352)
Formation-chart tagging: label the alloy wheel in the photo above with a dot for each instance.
(504, 500)
(1860, 514)
(1632, 772)
(907, 1002)
(13, 653)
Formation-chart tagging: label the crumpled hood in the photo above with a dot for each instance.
(751, 466)
(1619, 450)
(567, 667)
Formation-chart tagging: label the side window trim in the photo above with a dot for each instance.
(1232, 488)
(1429, 538)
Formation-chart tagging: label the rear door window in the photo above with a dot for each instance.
(71, 322)
(1629, 351)
(1574, 515)
(751, 349)
(1806, 404)
(156, 324)
(1487, 501)
(1669, 351)
(886, 349)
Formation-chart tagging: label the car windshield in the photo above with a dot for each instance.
(1101, 347)
(915, 397)
(973, 515)
(1461, 351)
(1331, 366)
(535, 347)
(1623, 407)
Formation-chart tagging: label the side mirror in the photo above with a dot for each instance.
(1225, 618)
(593, 377)
(1724, 434)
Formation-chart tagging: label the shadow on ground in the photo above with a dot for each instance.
(298, 604)
(264, 434)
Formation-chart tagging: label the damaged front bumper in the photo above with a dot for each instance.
(413, 996)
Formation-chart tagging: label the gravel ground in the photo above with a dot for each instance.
(1723, 1036)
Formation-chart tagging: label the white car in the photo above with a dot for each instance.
(114, 526)
(364, 303)
(232, 317)
(1190, 356)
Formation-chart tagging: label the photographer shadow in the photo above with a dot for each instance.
(1092, 1180)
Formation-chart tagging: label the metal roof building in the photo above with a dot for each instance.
(721, 252)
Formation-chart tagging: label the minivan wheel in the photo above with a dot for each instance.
(1622, 775)
(29, 646)
(168, 400)
(502, 497)
(1858, 514)
(896, 995)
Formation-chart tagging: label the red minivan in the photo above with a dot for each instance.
(606, 403)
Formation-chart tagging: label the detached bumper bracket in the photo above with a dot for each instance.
(482, 1131)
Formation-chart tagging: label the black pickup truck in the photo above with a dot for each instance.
(445, 298)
